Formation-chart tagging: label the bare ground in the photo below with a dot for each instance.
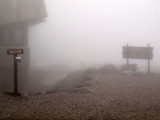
(113, 96)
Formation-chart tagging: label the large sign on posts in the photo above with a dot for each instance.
(134, 52)
(137, 52)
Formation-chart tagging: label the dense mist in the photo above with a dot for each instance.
(92, 32)
(79, 34)
(80, 59)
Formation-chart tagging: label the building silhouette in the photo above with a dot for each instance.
(15, 18)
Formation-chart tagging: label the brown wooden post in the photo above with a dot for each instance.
(15, 75)
(127, 58)
(16, 59)
(148, 63)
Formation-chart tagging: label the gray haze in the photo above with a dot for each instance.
(92, 32)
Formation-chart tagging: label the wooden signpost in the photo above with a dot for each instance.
(17, 59)
(133, 52)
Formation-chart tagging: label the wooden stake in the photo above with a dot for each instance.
(127, 59)
(15, 75)
(148, 63)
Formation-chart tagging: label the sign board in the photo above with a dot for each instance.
(14, 51)
(137, 52)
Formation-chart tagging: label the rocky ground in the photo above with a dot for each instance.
(109, 96)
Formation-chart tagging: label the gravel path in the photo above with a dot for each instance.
(113, 97)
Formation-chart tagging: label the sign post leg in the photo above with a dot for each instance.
(148, 66)
(127, 63)
(15, 75)
(127, 58)
(148, 62)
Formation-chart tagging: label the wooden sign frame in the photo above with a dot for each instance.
(134, 52)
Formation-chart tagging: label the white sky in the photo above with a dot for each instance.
(94, 31)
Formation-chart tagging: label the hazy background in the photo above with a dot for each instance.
(92, 32)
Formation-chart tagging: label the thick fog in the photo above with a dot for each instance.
(73, 67)
(92, 32)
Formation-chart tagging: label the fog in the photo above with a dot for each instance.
(92, 32)
(73, 67)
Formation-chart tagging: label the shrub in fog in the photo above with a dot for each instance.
(108, 68)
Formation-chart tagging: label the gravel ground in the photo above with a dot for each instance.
(114, 96)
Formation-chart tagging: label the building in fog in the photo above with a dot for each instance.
(15, 17)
